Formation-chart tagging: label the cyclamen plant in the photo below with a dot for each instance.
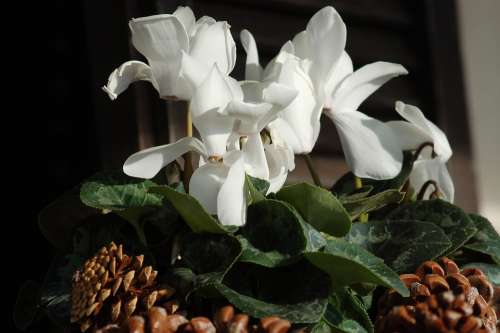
(232, 231)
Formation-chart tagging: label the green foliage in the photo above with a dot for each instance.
(297, 292)
(457, 225)
(356, 207)
(319, 207)
(257, 189)
(349, 263)
(486, 240)
(403, 244)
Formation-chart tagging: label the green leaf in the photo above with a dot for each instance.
(211, 254)
(492, 271)
(58, 220)
(339, 315)
(486, 240)
(403, 244)
(456, 224)
(360, 193)
(191, 210)
(115, 191)
(257, 188)
(345, 185)
(297, 292)
(27, 305)
(349, 263)
(319, 207)
(373, 202)
(321, 327)
(278, 232)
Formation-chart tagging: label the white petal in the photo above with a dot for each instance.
(148, 162)
(370, 147)
(279, 142)
(302, 114)
(193, 71)
(362, 83)
(186, 16)
(326, 33)
(255, 157)
(205, 184)
(410, 137)
(279, 94)
(301, 46)
(248, 115)
(213, 94)
(288, 47)
(285, 131)
(161, 39)
(231, 201)
(434, 169)
(123, 76)
(342, 69)
(417, 118)
(253, 69)
(202, 23)
(277, 160)
(215, 45)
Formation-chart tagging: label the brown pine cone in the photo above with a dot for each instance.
(159, 320)
(111, 287)
(443, 299)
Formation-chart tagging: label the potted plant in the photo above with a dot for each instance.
(228, 247)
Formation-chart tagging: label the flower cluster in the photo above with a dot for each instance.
(256, 126)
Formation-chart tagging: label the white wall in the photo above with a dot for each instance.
(479, 26)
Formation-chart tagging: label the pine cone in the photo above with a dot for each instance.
(443, 299)
(111, 287)
(159, 320)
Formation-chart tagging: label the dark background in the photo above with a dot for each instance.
(60, 127)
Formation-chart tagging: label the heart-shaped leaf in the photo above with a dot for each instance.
(276, 234)
(349, 264)
(191, 210)
(456, 224)
(486, 240)
(403, 244)
(319, 207)
(297, 292)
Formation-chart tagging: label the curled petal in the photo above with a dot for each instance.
(148, 162)
(253, 69)
(231, 200)
(215, 45)
(417, 118)
(434, 169)
(278, 161)
(186, 17)
(210, 97)
(255, 157)
(205, 184)
(362, 83)
(370, 147)
(410, 137)
(342, 69)
(123, 76)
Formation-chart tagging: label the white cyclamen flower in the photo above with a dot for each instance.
(370, 146)
(171, 44)
(415, 132)
(261, 102)
(218, 184)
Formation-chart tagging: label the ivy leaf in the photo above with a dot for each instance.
(492, 271)
(349, 264)
(297, 292)
(343, 316)
(319, 207)
(345, 185)
(191, 210)
(373, 202)
(27, 305)
(257, 188)
(211, 255)
(456, 224)
(116, 191)
(275, 234)
(403, 244)
(486, 240)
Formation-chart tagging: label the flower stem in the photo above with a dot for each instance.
(435, 194)
(358, 183)
(312, 171)
(188, 157)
